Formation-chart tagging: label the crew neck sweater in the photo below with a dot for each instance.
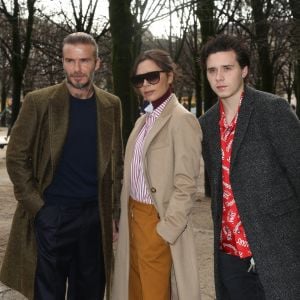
(75, 179)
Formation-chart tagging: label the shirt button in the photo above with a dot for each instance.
(153, 190)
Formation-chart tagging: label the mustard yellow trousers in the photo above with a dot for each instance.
(150, 256)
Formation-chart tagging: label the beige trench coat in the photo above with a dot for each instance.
(33, 153)
(171, 159)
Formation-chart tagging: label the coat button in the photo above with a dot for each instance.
(153, 190)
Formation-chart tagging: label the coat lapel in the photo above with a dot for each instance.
(213, 137)
(159, 124)
(59, 105)
(242, 124)
(105, 123)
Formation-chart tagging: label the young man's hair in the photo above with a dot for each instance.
(81, 38)
(223, 43)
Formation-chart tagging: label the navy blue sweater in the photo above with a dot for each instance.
(75, 179)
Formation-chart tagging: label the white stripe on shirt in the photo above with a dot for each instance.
(139, 190)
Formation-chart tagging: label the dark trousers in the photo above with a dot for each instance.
(69, 253)
(238, 282)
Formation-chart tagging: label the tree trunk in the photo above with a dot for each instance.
(3, 103)
(197, 80)
(263, 48)
(17, 72)
(19, 58)
(121, 23)
(205, 13)
(198, 89)
(3, 93)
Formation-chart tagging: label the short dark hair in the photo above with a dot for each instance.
(160, 57)
(225, 43)
(80, 38)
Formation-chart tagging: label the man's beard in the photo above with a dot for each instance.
(80, 86)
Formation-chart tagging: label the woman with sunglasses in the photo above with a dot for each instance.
(162, 163)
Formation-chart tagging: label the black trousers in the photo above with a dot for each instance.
(69, 253)
(238, 282)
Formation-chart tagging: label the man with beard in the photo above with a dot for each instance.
(65, 161)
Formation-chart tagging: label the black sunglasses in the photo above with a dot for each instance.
(151, 77)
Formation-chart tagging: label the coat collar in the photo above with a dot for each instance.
(59, 107)
(160, 122)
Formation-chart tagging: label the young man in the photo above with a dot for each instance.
(251, 149)
(65, 161)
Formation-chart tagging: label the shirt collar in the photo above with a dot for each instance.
(157, 111)
(222, 121)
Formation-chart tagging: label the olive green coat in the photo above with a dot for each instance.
(33, 153)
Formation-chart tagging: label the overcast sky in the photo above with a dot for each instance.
(158, 28)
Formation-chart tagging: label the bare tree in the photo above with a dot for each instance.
(261, 11)
(4, 69)
(144, 13)
(206, 16)
(19, 49)
(51, 26)
(129, 21)
(79, 15)
(121, 26)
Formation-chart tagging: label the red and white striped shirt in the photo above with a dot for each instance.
(139, 190)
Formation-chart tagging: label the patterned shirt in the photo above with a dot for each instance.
(233, 236)
(139, 189)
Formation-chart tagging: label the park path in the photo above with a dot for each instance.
(201, 221)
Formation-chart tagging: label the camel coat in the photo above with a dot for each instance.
(171, 159)
(33, 153)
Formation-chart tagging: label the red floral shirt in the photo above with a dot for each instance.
(233, 236)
